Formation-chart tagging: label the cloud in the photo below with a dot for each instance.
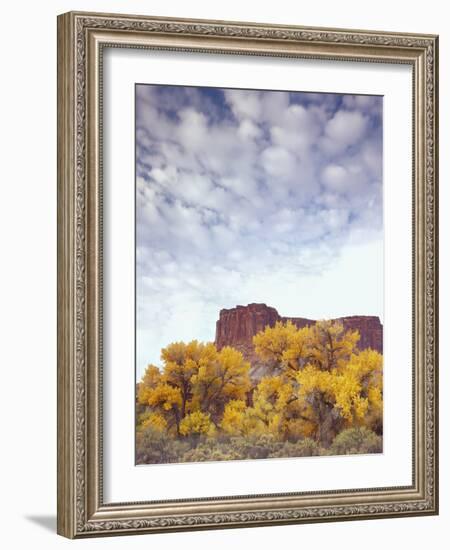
(244, 103)
(240, 192)
(192, 130)
(344, 129)
(335, 177)
(278, 162)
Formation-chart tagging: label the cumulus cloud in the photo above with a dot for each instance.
(239, 192)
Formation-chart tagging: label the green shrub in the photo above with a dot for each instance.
(206, 452)
(255, 446)
(154, 447)
(356, 441)
(303, 447)
(233, 448)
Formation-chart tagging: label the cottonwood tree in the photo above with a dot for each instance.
(321, 385)
(334, 385)
(195, 378)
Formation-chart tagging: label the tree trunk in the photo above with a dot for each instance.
(329, 424)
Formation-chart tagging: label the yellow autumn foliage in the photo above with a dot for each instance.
(155, 421)
(321, 384)
(197, 423)
(219, 379)
(196, 379)
(333, 384)
(239, 420)
(151, 378)
(272, 343)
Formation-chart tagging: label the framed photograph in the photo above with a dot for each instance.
(247, 274)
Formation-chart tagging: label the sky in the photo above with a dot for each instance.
(254, 196)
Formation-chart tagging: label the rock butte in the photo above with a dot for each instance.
(237, 326)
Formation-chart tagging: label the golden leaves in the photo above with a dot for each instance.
(197, 423)
(326, 373)
(321, 384)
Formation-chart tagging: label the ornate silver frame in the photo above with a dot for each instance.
(81, 38)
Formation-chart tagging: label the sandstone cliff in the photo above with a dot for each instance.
(237, 326)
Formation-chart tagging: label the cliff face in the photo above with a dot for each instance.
(237, 326)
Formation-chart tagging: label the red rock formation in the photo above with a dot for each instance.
(237, 326)
(240, 324)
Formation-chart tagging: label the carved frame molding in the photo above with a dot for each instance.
(81, 38)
